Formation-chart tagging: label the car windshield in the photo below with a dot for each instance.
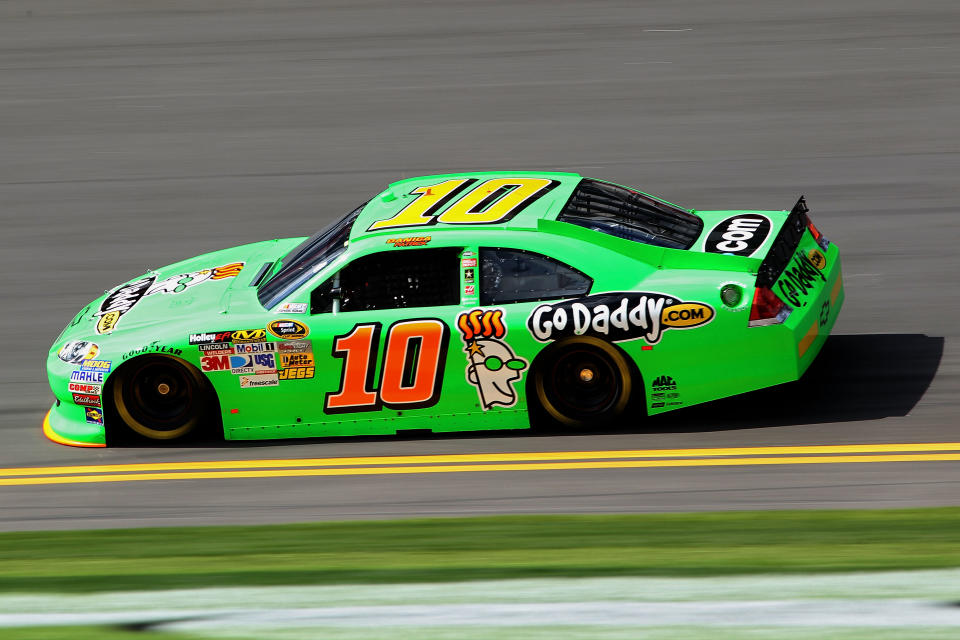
(306, 259)
(627, 214)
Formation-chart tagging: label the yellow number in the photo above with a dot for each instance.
(493, 201)
(429, 200)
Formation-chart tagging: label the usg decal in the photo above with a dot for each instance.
(617, 316)
(288, 329)
(738, 235)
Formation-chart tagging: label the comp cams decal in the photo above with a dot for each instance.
(492, 366)
(126, 297)
(738, 235)
(617, 316)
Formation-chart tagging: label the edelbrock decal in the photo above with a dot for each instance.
(738, 235)
(617, 316)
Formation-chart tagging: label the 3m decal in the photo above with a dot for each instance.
(414, 241)
(90, 377)
(253, 382)
(255, 347)
(209, 338)
(93, 415)
(116, 304)
(296, 373)
(292, 307)
(288, 329)
(76, 351)
(492, 366)
(152, 348)
(90, 389)
(617, 316)
(411, 375)
(817, 259)
(739, 235)
(248, 335)
(797, 280)
(85, 400)
(215, 363)
(492, 201)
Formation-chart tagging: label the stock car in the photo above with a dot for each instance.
(449, 303)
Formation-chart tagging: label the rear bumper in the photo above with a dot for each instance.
(816, 319)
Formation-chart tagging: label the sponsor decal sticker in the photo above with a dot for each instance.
(738, 235)
(468, 275)
(216, 349)
(152, 348)
(469, 290)
(248, 335)
(292, 307)
(413, 241)
(183, 281)
(252, 382)
(93, 415)
(291, 360)
(85, 400)
(617, 316)
(817, 258)
(241, 365)
(215, 363)
(492, 366)
(468, 262)
(91, 377)
(76, 351)
(115, 305)
(797, 280)
(255, 347)
(295, 373)
(90, 389)
(825, 313)
(96, 365)
(264, 363)
(288, 329)
(295, 346)
(210, 338)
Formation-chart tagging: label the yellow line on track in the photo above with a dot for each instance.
(483, 457)
(467, 468)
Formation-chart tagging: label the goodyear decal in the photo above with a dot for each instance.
(617, 316)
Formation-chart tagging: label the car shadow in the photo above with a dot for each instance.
(855, 377)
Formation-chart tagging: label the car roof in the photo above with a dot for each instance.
(554, 189)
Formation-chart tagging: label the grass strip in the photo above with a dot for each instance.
(498, 547)
(90, 633)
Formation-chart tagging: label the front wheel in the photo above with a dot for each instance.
(161, 398)
(583, 382)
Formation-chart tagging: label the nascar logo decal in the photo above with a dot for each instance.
(617, 316)
(739, 235)
(288, 329)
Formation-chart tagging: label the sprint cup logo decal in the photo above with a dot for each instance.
(617, 316)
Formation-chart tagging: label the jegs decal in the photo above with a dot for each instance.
(492, 366)
(739, 235)
(617, 316)
(411, 375)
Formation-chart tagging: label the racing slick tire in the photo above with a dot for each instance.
(161, 398)
(582, 382)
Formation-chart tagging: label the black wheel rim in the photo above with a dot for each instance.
(583, 383)
(160, 395)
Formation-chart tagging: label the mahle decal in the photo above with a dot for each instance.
(617, 316)
(492, 366)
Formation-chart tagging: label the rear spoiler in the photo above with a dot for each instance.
(784, 245)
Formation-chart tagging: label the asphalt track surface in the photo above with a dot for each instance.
(134, 135)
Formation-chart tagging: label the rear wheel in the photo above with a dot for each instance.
(583, 382)
(161, 398)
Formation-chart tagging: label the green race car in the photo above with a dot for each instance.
(453, 303)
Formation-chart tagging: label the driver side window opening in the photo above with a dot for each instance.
(393, 280)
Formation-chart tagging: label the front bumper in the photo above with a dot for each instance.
(60, 425)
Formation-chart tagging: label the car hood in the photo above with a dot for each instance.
(199, 285)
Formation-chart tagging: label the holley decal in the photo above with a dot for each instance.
(617, 316)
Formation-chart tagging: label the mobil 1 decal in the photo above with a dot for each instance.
(738, 235)
(617, 317)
